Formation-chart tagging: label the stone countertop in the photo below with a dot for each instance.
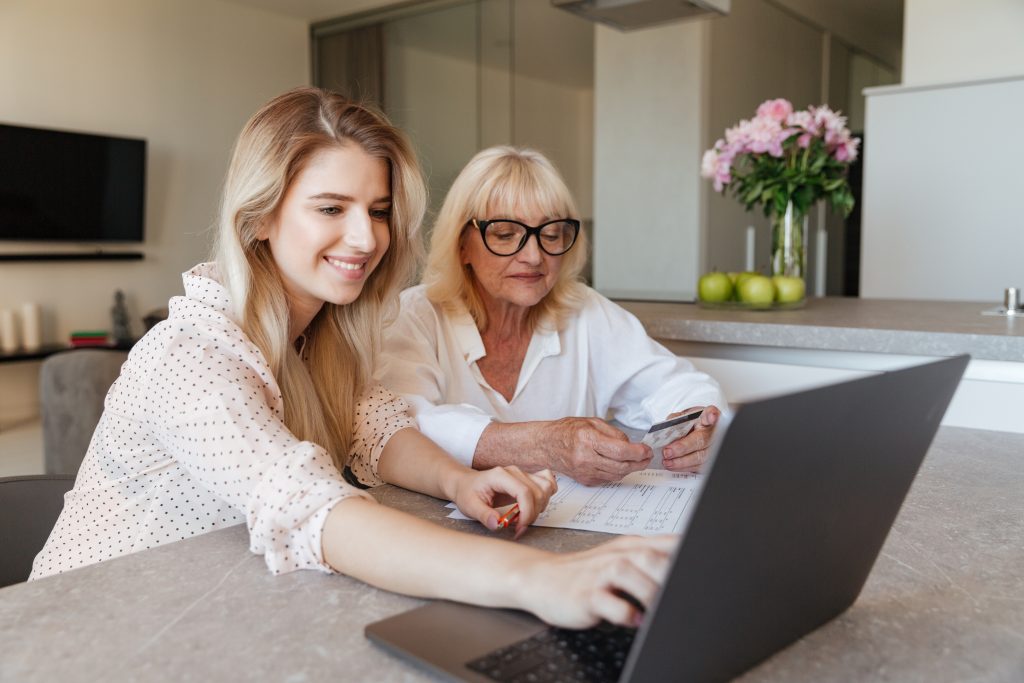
(918, 328)
(943, 602)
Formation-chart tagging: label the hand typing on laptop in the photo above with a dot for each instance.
(613, 582)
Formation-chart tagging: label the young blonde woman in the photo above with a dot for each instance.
(250, 401)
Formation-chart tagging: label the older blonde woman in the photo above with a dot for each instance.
(507, 358)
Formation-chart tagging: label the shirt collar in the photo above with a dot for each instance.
(202, 284)
(544, 342)
(467, 335)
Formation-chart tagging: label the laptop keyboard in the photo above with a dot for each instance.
(594, 655)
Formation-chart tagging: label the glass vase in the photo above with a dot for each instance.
(789, 243)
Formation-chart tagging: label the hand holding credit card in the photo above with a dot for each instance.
(663, 433)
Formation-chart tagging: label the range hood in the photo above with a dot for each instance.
(629, 14)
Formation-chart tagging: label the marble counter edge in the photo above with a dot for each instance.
(833, 338)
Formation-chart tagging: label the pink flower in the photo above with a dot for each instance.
(777, 110)
(831, 122)
(737, 134)
(803, 119)
(709, 163)
(756, 143)
(764, 135)
(717, 166)
(847, 151)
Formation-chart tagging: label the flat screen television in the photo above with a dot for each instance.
(57, 186)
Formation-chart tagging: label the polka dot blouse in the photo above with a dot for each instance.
(192, 439)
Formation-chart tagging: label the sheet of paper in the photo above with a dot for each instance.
(645, 503)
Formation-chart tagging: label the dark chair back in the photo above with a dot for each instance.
(29, 507)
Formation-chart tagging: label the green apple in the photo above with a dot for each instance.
(788, 289)
(757, 289)
(744, 276)
(714, 287)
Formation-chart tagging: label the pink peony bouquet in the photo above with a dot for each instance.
(782, 156)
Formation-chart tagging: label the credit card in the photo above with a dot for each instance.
(664, 433)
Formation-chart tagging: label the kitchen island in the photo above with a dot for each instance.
(943, 602)
(759, 353)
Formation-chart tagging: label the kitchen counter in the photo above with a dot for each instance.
(943, 602)
(918, 328)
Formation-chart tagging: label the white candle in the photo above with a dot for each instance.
(750, 247)
(821, 262)
(8, 331)
(31, 336)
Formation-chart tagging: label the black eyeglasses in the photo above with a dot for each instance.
(505, 237)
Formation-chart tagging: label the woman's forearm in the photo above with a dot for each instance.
(414, 462)
(517, 443)
(402, 553)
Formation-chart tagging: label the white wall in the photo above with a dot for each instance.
(941, 216)
(457, 89)
(558, 121)
(185, 75)
(871, 32)
(433, 58)
(647, 149)
(946, 41)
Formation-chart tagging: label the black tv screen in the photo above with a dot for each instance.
(71, 187)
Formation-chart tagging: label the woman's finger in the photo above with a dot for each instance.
(527, 493)
(478, 508)
(493, 488)
(697, 440)
(628, 591)
(544, 486)
(546, 480)
(689, 462)
(615, 609)
(511, 480)
(710, 416)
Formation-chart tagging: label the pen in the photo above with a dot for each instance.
(509, 517)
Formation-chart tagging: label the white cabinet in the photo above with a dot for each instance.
(990, 396)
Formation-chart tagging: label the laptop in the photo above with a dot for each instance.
(799, 496)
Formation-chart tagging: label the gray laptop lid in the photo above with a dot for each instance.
(802, 492)
(800, 495)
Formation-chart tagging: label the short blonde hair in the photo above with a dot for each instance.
(502, 181)
(342, 341)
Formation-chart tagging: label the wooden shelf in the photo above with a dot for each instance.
(50, 349)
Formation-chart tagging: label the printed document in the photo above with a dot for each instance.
(644, 503)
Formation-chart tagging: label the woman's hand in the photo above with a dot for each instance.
(578, 590)
(477, 493)
(689, 453)
(591, 451)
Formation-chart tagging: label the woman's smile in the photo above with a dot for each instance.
(349, 267)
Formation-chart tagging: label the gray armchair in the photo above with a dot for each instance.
(72, 387)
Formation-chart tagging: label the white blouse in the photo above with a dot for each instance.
(191, 440)
(602, 364)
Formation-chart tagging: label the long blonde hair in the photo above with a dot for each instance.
(341, 341)
(500, 181)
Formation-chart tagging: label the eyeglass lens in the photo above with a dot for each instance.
(506, 237)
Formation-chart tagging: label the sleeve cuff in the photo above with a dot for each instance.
(456, 429)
